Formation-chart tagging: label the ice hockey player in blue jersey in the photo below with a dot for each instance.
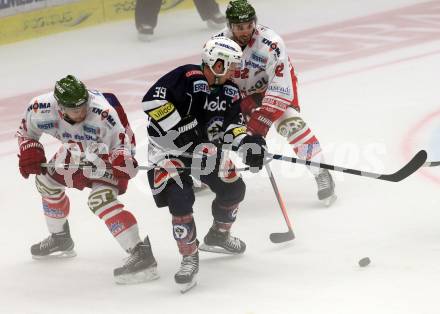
(191, 111)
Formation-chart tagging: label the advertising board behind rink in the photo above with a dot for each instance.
(13, 7)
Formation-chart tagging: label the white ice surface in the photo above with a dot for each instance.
(371, 112)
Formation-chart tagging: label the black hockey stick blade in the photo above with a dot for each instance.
(412, 166)
(415, 163)
(280, 237)
(431, 164)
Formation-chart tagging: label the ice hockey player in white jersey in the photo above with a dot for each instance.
(268, 83)
(94, 130)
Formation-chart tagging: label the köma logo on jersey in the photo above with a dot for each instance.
(104, 115)
(38, 105)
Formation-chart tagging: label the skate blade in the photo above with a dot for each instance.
(145, 275)
(185, 287)
(56, 255)
(145, 37)
(329, 200)
(215, 249)
(201, 189)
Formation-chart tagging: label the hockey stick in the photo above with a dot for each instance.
(279, 237)
(415, 163)
(431, 164)
(87, 166)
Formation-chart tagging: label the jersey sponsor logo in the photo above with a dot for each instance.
(104, 115)
(215, 105)
(280, 90)
(231, 91)
(253, 65)
(47, 125)
(39, 105)
(193, 73)
(91, 129)
(272, 46)
(257, 58)
(188, 126)
(274, 102)
(162, 112)
(66, 135)
(258, 86)
(201, 86)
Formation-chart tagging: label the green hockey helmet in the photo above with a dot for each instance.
(70, 92)
(240, 11)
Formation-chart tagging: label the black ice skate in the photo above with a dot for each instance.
(222, 242)
(326, 187)
(139, 267)
(186, 276)
(57, 245)
(145, 32)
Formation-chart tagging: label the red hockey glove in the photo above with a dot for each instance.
(124, 166)
(262, 119)
(30, 158)
(80, 181)
(249, 103)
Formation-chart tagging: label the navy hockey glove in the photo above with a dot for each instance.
(253, 148)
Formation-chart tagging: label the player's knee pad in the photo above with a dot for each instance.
(298, 134)
(228, 194)
(180, 198)
(185, 234)
(103, 203)
(47, 187)
(290, 125)
(102, 199)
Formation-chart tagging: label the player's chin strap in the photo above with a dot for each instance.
(409, 168)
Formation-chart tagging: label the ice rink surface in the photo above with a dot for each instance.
(368, 85)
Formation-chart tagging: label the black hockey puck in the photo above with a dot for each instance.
(363, 262)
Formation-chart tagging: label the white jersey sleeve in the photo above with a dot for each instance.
(279, 72)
